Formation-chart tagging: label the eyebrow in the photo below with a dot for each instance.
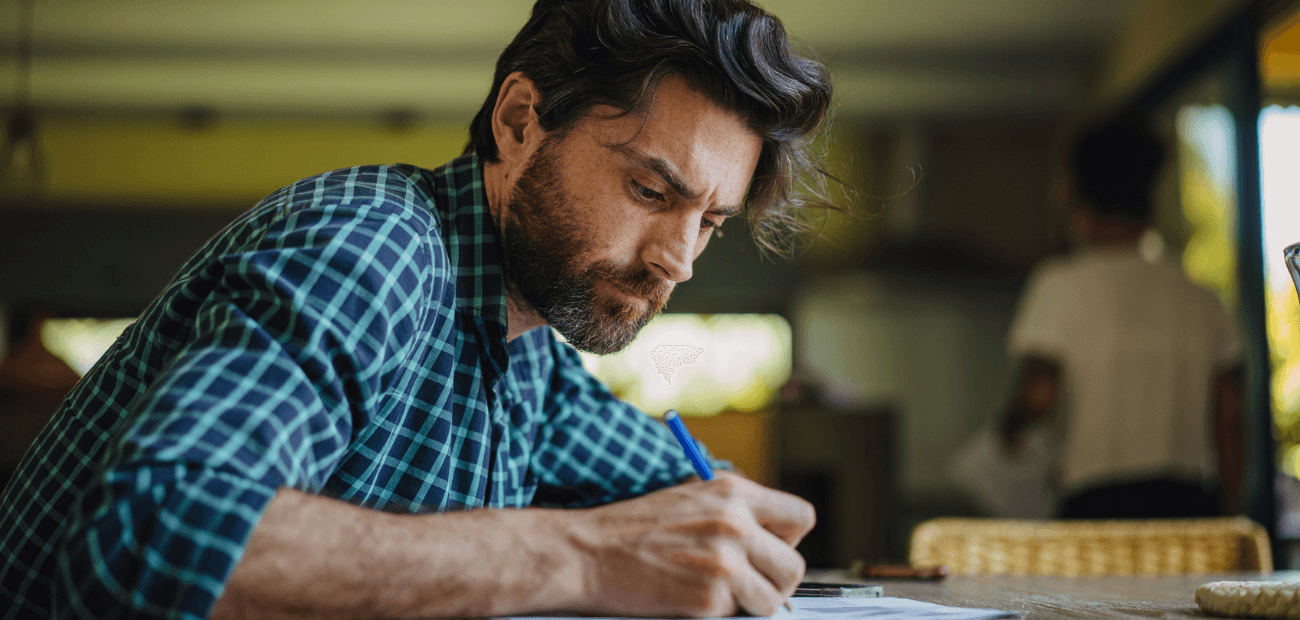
(668, 173)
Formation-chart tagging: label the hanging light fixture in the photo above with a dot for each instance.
(22, 163)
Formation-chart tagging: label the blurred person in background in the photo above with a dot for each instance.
(1142, 365)
(329, 410)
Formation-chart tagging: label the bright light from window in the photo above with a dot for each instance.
(1279, 135)
(81, 342)
(1279, 145)
(1207, 188)
(743, 362)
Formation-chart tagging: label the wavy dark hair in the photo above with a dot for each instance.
(584, 53)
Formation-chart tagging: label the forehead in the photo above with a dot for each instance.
(712, 148)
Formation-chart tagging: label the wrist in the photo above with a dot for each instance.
(529, 561)
(493, 562)
(558, 552)
(598, 555)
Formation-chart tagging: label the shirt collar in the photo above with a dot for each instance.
(473, 245)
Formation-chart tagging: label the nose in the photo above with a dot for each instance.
(671, 252)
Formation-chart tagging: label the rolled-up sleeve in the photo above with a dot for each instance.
(290, 349)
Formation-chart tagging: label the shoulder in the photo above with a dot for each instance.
(400, 191)
(371, 209)
(1051, 275)
(1096, 269)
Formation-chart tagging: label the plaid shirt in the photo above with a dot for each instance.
(346, 337)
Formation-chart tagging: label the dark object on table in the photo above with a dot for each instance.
(851, 590)
(898, 571)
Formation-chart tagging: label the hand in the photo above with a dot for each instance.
(1012, 431)
(701, 549)
(1013, 445)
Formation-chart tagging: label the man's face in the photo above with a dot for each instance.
(604, 221)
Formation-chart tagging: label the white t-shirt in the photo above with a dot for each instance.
(1139, 346)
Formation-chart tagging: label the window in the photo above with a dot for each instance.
(700, 364)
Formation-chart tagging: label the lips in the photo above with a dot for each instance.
(635, 282)
(627, 292)
(649, 292)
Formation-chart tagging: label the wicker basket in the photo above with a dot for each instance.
(1092, 548)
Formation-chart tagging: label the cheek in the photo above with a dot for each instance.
(610, 223)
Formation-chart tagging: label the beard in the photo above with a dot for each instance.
(548, 265)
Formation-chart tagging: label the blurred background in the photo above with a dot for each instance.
(850, 373)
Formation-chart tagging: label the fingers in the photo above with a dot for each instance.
(749, 567)
(755, 595)
(776, 571)
(765, 569)
(729, 540)
(788, 516)
(777, 561)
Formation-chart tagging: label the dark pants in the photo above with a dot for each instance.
(1151, 499)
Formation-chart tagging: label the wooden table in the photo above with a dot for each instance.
(1055, 598)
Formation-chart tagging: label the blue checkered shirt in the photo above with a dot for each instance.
(346, 337)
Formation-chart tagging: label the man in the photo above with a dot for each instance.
(1144, 363)
(348, 403)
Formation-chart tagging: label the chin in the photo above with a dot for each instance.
(611, 330)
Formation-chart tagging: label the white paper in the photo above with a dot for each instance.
(883, 608)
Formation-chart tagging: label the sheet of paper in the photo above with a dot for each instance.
(884, 608)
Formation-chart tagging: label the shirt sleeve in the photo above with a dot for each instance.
(594, 448)
(303, 326)
(1041, 324)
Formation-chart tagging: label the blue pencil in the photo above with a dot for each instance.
(692, 448)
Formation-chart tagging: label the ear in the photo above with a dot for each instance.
(514, 120)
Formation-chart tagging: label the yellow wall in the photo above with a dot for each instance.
(158, 162)
(1280, 56)
(744, 438)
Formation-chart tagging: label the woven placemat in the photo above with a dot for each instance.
(1250, 599)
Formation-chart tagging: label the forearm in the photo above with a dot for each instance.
(1033, 398)
(326, 558)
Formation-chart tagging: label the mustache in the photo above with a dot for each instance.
(637, 280)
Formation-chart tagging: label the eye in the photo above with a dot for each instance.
(646, 193)
(708, 224)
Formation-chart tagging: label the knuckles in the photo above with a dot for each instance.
(727, 487)
(727, 525)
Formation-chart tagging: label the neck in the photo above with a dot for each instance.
(1115, 234)
(1107, 231)
(521, 317)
